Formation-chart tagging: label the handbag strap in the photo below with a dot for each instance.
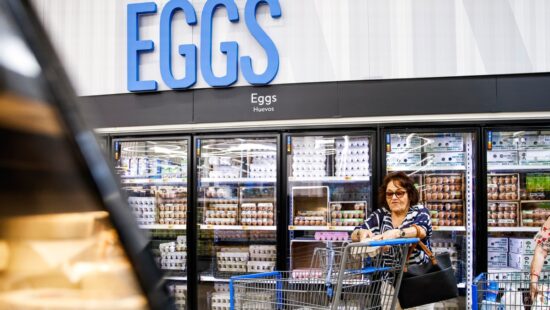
(422, 246)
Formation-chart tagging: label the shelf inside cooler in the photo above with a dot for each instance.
(513, 229)
(238, 180)
(219, 200)
(152, 181)
(448, 228)
(330, 179)
(513, 168)
(236, 227)
(164, 226)
(426, 168)
(321, 228)
(211, 278)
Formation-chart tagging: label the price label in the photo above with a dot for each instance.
(246, 228)
(209, 226)
(332, 228)
(291, 227)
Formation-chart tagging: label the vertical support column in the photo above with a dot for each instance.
(470, 160)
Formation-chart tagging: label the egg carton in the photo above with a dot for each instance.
(260, 266)
(228, 266)
(224, 207)
(171, 221)
(311, 213)
(331, 236)
(265, 206)
(262, 249)
(173, 264)
(215, 214)
(232, 256)
(218, 221)
(173, 255)
(346, 222)
(263, 257)
(220, 300)
(257, 221)
(256, 214)
(312, 273)
(347, 214)
(248, 206)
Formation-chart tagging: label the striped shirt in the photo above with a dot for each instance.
(380, 221)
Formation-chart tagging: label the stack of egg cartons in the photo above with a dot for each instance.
(220, 297)
(173, 255)
(263, 165)
(262, 258)
(308, 158)
(144, 209)
(521, 251)
(352, 157)
(497, 253)
(179, 292)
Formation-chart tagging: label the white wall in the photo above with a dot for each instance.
(318, 40)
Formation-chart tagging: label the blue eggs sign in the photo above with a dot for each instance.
(136, 46)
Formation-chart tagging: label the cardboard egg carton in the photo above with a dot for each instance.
(260, 266)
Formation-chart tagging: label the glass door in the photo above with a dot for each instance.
(442, 165)
(236, 211)
(329, 192)
(153, 173)
(518, 196)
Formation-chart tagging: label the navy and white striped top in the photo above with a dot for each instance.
(380, 221)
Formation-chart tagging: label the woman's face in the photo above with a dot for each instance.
(397, 197)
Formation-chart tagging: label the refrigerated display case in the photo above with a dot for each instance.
(154, 176)
(329, 191)
(518, 195)
(237, 210)
(442, 163)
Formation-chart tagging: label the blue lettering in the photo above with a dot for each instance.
(189, 51)
(231, 49)
(135, 46)
(264, 40)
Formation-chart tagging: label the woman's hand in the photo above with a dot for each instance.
(388, 234)
(360, 234)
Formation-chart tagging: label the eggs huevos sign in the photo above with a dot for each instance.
(137, 46)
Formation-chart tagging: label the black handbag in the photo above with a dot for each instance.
(427, 283)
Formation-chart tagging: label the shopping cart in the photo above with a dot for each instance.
(509, 290)
(357, 276)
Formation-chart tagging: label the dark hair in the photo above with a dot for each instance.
(402, 179)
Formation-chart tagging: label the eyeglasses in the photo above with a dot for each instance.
(398, 194)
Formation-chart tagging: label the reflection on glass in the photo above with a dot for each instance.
(236, 212)
(154, 176)
(330, 192)
(441, 164)
(518, 195)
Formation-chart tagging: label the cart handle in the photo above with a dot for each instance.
(479, 277)
(256, 275)
(386, 242)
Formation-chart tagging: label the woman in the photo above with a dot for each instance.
(542, 240)
(398, 198)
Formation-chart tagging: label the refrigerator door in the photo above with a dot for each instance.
(443, 167)
(518, 195)
(329, 192)
(236, 196)
(153, 173)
